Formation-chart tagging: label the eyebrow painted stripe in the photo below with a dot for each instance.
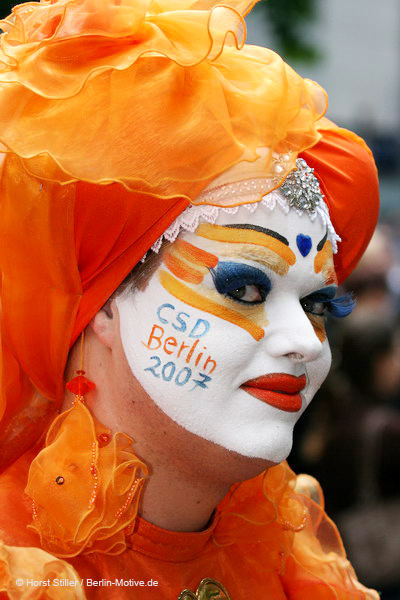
(321, 243)
(182, 270)
(263, 256)
(182, 292)
(323, 256)
(269, 232)
(196, 255)
(220, 233)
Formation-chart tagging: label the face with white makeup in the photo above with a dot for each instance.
(228, 336)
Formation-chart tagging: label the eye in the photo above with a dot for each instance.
(240, 282)
(324, 301)
(318, 302)
(313, 306)
(247, 293)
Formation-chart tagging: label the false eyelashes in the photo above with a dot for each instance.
(342, 306)
(230, 278)
(323, 301)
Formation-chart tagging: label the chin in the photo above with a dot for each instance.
(240, 466)
(235, 467)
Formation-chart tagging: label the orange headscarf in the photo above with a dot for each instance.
(114, 116)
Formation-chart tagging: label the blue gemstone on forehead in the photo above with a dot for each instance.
(304, 244)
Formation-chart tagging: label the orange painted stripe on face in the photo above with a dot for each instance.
(232, 235)
(197, 255)
(318, 324)
(181, 269)
(264, 256)
(323, 256)
(330, 275)
(186, 294)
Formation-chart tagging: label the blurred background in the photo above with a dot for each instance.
(350, 436)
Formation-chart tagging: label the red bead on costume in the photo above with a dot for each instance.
(103, 439)
(80, 385)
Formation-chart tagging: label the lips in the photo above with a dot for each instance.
(277, 389)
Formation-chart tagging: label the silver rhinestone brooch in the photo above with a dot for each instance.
(301, 188)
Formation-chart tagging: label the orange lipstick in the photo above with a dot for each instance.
(277, 389)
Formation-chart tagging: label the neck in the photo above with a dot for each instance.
(179, 502)
(188, 478)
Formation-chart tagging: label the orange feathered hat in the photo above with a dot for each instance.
(114, 116)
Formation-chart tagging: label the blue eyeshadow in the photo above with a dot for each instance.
(324, 294)
(229, 276)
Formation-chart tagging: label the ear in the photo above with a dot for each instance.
(105, 324)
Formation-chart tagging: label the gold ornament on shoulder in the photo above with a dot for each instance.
(208, 589)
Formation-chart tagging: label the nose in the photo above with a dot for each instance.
(290, 332)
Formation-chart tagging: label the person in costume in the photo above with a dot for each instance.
(176, 215)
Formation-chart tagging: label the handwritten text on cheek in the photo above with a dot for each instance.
(185, 349)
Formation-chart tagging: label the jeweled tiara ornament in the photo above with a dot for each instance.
(300, 191)
(302, 188)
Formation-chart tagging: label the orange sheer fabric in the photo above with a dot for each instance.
(283, 517)
(85, 493)
(269, 533)
(33, 564)
(157, 91)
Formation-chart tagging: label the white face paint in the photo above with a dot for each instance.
(208, 322)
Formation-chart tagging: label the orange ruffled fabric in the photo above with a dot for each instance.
(275, 524)
(85, 492)
(281, 518)
(33, 564)
(162, 93)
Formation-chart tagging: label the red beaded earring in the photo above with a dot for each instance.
(80, 385)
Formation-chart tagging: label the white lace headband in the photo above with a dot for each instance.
(300, 192)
